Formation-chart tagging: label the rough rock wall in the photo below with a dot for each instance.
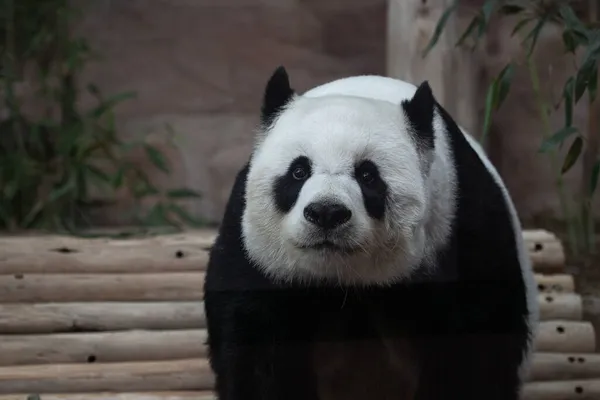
(201, 66)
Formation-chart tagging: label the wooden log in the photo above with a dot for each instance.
(565, 337)
(181, 395)
(40, 288)
(104, 316)
(78, 257)
(555, 283)
(561, 367)
(192, 374)
(102, 347)
(566, 306)
(549, 256)
(539, 235)
(545, 249)
(565, 390)
(168, 253)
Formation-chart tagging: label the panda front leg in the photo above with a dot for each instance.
(256, 356)
(472, 367)
(263, 373)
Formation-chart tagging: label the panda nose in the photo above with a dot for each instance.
(327, 215)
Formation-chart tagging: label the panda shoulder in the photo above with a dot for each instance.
(228, 262)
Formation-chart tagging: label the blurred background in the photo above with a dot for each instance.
(129, 112)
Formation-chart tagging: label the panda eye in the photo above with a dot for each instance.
(366, 173)
(299, 173)
(367, 177)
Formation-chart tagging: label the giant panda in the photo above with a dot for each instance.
(368, 250)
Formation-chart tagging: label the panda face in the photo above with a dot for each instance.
(336, 191)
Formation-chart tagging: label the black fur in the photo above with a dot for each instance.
(286, 189)
(467, 322)
(277, 94)
(419, 111)
(374, 193)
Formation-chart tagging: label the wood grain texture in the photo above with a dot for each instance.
(38, 318)
(188, 375)
(102, 347)
(48, 288)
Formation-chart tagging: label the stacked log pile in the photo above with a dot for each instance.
(99, 319)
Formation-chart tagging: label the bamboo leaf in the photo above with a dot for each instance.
(593, 85)
(511, 9)
(182, 193)
(568, 98)
(572, 154)
(594, 177)
(520, 25)
(185, 216)
(569, 41)
(571, 20)
(504, 81)
(157, 158)
(535, 33)
(489, 105)
(557, 138)
(110, 103)
(469, 31)
(588, 69)
(439, 28)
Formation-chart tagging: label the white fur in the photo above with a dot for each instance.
(335, 128)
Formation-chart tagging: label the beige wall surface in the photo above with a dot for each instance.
(201, 67)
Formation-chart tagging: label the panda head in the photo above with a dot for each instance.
(337, 186)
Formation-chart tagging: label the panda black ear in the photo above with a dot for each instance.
(419, 111)
(277, 94)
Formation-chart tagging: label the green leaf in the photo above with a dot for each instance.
(511, 9)
(144, 189)
(569, 41)
(157, 158)
(588, 69)
(568, 97)
(469, 31)
(110, 103)
(63, 190)
(572, 154)
(504, 80)
(571, 20)
(118, 178)
(593, 85)
(185, 216)
(158, 216)
(535, 33)
(98, 173)
(557, 138)
(520, 25)
(441, 24)
(489, 104)
(594, 177)
(182, 193)
(486, 11)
